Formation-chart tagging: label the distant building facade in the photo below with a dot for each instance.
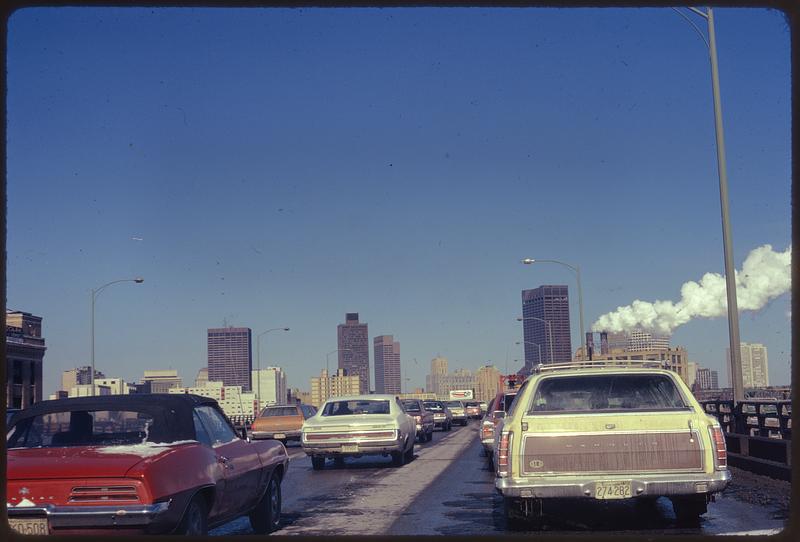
(161, 381)
(272, 384)
(545, 313)
(486, 383)
(639, 340)
(707, 379)
(25, 350)
(675, 359)
(438, 370)
(336, 385)
(353, 341)
(239, 405)
(460, 379)
(387, 364)
(78, 376)
(755, 367)
(201, 378)
(230, 356)
(691, 374)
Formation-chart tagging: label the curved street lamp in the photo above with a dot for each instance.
(549, 332)
(577, 270)
(537, 345)
(95, 293)
(258, 356)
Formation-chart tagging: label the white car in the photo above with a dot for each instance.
(358, 425)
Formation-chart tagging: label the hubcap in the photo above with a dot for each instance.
(275, 502)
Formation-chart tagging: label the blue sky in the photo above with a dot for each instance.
(284, 167)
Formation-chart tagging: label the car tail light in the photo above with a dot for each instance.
(720, 449)
(487, 430)
(503, 452)
(103, 494)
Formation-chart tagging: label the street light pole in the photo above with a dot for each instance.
(549, 332)
(577, 270)
(730, 270)
(537, 345)
(258, 358)
(95, 293)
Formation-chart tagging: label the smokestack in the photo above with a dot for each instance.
(589, 345)
(604, 343)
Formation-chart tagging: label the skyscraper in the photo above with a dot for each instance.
(24, 358)
(353, 340)
(230, 356)
(755, 369)
(549, 302)
(387, 364)
(438, 371)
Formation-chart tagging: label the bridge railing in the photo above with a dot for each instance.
(758, 434)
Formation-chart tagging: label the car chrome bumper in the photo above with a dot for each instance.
(92, 516)
(289, 435)
(364, 447)
(641, 485)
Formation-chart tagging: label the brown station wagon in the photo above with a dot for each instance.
(281, 422)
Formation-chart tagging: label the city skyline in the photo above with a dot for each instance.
(255, 178)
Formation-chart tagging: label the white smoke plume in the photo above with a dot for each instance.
(764, 276)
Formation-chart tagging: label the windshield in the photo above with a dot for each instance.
(436, 407)
(279, 411)
(606, 392)
(344, 408)
(411, 406)
(454, 404)
(80, 428)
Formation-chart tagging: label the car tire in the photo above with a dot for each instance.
(195, 519)
(515, 519)
(449, 426)
(338, 461)
(410, 454)
(688, 509)
(266, 516)
(317, 462)
(430, 435)
(398, 459)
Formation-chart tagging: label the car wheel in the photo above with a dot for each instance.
(195, 518)
(688, 509)
(317, 462)
(338, 461)
(398, 459)
(430, 435)
(266, 516)
(410, 454)
(449, 426)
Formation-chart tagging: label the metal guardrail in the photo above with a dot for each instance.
(758, 434)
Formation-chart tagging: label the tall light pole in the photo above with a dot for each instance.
(537, 345)
(549, 332)
(95, 293)
(577, 269)
(258, 357)
(730, 270)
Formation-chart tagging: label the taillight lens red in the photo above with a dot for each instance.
(720, 450)
(503, 452)
(487, 430)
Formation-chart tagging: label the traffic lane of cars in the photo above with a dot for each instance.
(470, 506)
(345, 492)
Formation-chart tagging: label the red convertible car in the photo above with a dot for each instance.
(132, 464)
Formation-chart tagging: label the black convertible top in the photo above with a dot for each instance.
(171, 412)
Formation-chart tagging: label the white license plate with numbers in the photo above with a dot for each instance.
(620, 489)
(29, 525)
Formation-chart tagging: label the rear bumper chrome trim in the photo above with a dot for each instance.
(641, 486)
(92, 516)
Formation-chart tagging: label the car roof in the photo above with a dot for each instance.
(365, 397)
(171, 412)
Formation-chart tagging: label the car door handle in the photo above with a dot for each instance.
(226, 462)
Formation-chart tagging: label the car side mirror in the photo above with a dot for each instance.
(499, 414)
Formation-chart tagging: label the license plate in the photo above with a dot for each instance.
(612, 490)
(29, 525)
(279, 436)
(349, 447)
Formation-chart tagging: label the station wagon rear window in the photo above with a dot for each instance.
(81, 428)
(436, 407)
(593, 393)
(280, 411)
(410, 406)
(345, 408)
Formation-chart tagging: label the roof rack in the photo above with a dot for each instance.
(600, 364)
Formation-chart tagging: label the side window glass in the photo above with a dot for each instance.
(200, 431)
(218, 428)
